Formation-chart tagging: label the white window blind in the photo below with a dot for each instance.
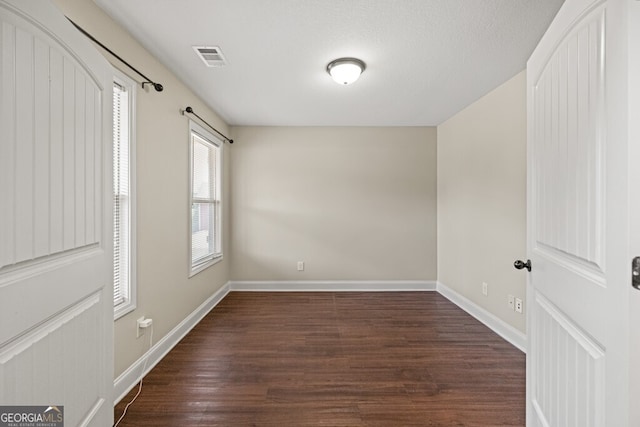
(205, 200)
(122, 200)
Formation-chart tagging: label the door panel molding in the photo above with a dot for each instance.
(52, 157)
(568, 133)
(23, 342)
(37, 366)
(568, 376)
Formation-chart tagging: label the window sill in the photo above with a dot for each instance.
(122, 309)
(204, 265)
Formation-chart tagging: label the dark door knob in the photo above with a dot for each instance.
(519, 264)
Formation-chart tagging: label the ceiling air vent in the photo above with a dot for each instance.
(211, 55)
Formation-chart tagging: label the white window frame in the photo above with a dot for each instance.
(216, 256)
(130, 300)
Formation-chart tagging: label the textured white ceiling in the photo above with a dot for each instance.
(426, 59)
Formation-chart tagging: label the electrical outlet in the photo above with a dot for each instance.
(518, 305)
(139, 330)
(512, 302)
(485, 288)
(300, 265)
(141, 325)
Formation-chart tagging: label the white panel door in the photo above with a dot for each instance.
(578, 219)
(56, 304)
(634, 185)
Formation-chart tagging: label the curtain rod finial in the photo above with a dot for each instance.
(157, 86)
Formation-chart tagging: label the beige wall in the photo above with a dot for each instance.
(352, 203)
(165, 292)
(481, 199)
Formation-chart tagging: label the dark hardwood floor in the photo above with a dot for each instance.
(335, 359)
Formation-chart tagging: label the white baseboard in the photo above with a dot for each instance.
(497, 325)
(333, 285)
(129, 378)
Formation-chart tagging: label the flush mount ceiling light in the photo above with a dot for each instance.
(345, 70)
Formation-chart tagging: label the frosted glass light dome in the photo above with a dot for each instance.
(345, 71)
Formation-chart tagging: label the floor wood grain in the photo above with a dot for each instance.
(335, 359)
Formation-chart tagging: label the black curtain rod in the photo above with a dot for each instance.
(190, 111)
(157, 86)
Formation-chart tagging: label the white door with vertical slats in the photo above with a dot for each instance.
(56, 304)
(634, 184)
(578, 219)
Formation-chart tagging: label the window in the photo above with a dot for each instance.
(205, 203)
(124, 273)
